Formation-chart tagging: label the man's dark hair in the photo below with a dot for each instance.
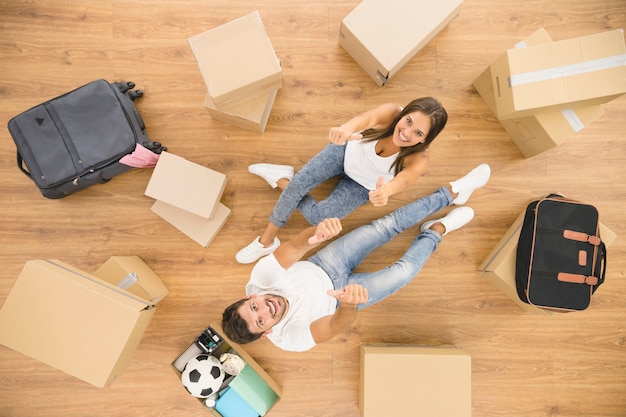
(235, 326)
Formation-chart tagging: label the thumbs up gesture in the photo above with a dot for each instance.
(379, 196)
(325, 230)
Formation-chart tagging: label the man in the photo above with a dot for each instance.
(298, 304)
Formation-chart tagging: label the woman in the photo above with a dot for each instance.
(387, 154)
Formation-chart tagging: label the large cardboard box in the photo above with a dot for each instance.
(382, 46)
(582, 71)
(414, 381)
(251, 115)
(538, 133)
(188, 197)
(252, 392)
(237, 60)
(499, 266)
(77, 322)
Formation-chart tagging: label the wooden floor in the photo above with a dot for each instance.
(523, 365)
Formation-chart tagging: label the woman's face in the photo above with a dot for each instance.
(411, 129)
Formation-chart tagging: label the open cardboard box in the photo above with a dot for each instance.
(413, 380)
(499, 266)
(383, 46)
(237, 61)
(188, 197)
(538, 133)
(77, 322)
(251, 392)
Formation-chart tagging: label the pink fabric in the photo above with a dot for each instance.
(141, 157)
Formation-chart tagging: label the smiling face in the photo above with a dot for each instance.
(262, 312)
(411, 129)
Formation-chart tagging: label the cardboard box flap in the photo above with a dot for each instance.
(66, 318)
(146, 284)
(186, 185)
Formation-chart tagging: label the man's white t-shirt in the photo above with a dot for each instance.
(304, 285)
(363, 165)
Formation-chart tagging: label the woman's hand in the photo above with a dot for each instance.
(380, 195)
(340, 136)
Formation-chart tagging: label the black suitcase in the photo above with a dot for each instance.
(561, 259)
(76, 140)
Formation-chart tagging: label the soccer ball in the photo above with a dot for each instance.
(203, 375)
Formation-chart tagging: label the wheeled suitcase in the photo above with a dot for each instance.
(561, 259)
(76, 140)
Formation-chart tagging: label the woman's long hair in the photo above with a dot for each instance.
(431, 108)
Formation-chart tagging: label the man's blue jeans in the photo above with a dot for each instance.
(347, 196)
(340, 257)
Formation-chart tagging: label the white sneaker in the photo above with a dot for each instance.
(272, 173)
(454, 220)
(465, 186)
(255, 250)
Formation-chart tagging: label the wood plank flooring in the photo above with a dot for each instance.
(523, 365)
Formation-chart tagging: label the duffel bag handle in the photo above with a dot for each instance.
(602, 255)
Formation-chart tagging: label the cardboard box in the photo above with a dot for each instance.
(410, 381)
(383, 46)
(199, 229)
(254, 386)
(188, 197)
(499, 266)
(251, 115)
(77, 322)
(582, 71)
(538, 133)
(237, 60)
(132, 274)
(186, 185)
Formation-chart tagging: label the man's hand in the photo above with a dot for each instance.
(339, 136)
(325, 328)
(325, 230)
(379, 196)
(350, 294)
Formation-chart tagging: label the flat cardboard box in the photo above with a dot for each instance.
(237, 60)
(414, 381)
(538, 133)
(74, 321)
(199, 229)
(383, 46)
(250, 115)
(186, 185)
(582, 71)
(499, 266)
(271, 386)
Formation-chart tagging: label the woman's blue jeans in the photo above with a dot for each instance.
(347, 196)
(340, 257)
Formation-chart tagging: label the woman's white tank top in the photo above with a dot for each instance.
(363, 165)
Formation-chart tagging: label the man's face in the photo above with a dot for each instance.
(262, 312)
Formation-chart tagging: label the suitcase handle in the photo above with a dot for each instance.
(20, 165)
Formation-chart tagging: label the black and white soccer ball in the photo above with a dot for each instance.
(203, 375)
